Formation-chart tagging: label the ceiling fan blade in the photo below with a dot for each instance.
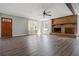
(44, 12)
(49, 15)
(43, 15)
(49, 12)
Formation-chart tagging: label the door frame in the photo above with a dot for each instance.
(1, 25)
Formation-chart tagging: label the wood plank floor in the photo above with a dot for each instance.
(43, 45)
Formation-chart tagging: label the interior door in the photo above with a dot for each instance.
(6, 27)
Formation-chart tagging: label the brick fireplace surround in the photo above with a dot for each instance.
(66, 26)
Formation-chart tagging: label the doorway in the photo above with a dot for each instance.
(46, 27)
(6, 27)
(32, 27)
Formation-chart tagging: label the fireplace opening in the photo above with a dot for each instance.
(69, 30)
(57, 30)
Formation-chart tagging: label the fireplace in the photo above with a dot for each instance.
(65, 26)
(57, 30)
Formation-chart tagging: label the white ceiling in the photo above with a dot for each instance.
(34, 10)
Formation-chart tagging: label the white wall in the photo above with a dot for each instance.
(19, 25)
(77, 25)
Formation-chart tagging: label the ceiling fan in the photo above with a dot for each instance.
(46, 13)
